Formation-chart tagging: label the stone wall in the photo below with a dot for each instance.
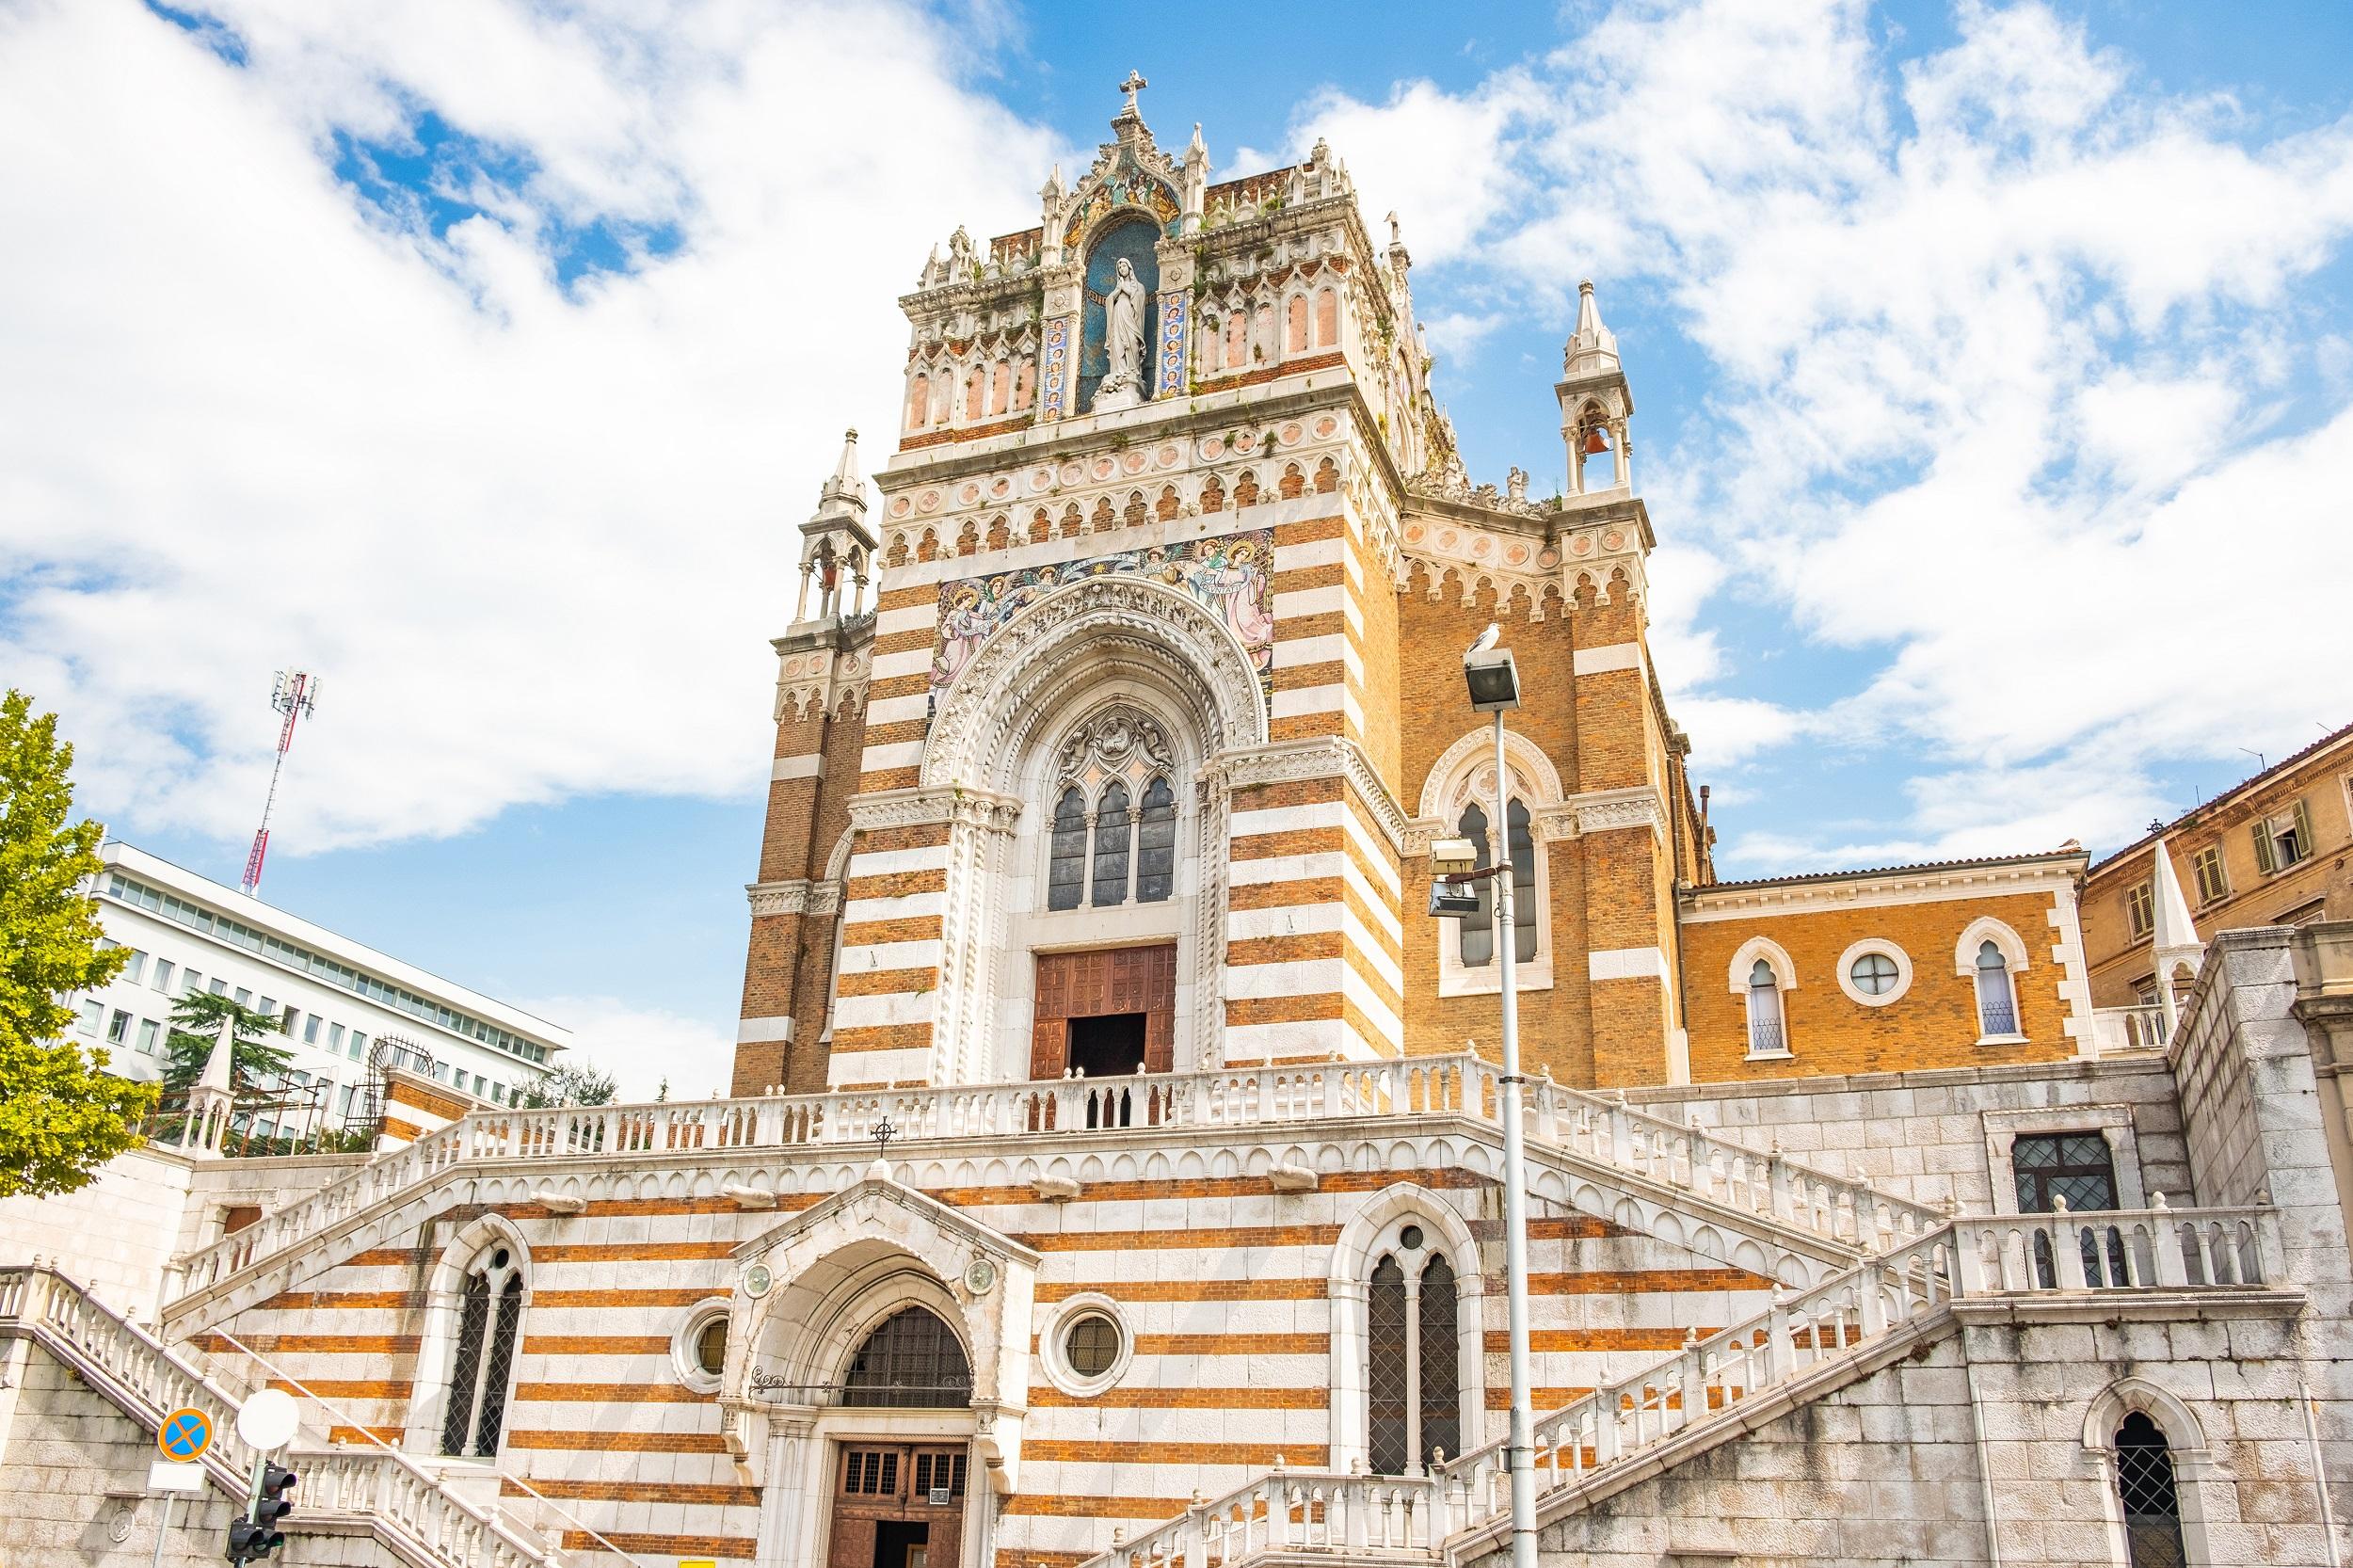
(115, 1235)
(1923, 1135)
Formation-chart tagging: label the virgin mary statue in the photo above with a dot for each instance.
(1123, 341)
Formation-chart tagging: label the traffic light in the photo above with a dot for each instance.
(256, 1535)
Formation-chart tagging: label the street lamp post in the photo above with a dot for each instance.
(1494, 682)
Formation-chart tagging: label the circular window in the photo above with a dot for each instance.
(1874, 974)
(1091, 1344)
(711, 1347)
(497, 1258)
(1410, 1238)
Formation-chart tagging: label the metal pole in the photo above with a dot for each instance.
(1519, 1454)
(163, 1530)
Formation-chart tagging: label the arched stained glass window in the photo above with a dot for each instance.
(1440, 1354)
(1066, 870)
(913, 1361)
(1110, 845)
(2145, 1485)
(490, 1316)
(1766, 1036)
(1389, 1441)
(1156, 843)
(1997, 1007)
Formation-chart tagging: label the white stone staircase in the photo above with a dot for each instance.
(1803, 1347)
(1710, 1193)
(404, 1507)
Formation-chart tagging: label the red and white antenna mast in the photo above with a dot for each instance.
(296, 696)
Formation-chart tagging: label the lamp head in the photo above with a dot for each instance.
(1492, 678)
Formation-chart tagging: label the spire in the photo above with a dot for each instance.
(1129, 119)
(2173, 937)
(1593, 349)
(845, 494)
(219, 1060)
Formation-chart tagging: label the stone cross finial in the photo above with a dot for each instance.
(884, 1132)
(1133, 85)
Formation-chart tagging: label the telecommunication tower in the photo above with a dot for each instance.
(296, 696)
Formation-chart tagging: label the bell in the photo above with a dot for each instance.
(1595, 442)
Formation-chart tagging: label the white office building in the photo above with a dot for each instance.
(188, 933)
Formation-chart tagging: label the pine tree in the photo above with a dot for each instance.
(571, 1084)
(63, 1114)
(195, 1025)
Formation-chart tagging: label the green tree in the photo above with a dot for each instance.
(572, 1085)
(63, 1114)
(196, 1024)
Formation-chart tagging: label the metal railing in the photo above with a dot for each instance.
(424, 1521)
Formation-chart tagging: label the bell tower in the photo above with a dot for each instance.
(1595, 405)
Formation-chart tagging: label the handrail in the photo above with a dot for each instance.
(1838, 1319)
(1848, 1213)
(396, 1456)
(153, 1380)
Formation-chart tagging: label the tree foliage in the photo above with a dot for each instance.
(197, 1020)
(573, 1083)
(63, 1114)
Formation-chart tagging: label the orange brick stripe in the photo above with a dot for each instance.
(1047, 1397)
(1544, 1400)
(1065, 1507)
(345, 1389)
(741, 1547)
(1131, 1241)
(686, 1296)
(896, 734)
(1310, 530)
(1258, 1455)
(1189, 1289)
(888, 983)
(889, 778)
(1318, 1008)
(1011, 1556)
(388, 1257)
(906, 599)
(608, 1393)
(316, 1344)
(1329, 576)
(1551, 1227)
(1450, 1180)
(1307, 727)
(1323, 624)
(332, 1301)
(621, 1442)
(898, 883)
(359, 1435)
(1295, 792)
(927, 835)
(629, 1252)
(883, 1037)
(914, 928)
(909, 684)
(1299, 840)
(595, 1344)
(1570, 1341)
(1300, 678)
(395, 1128)
(635, 1492)
(905, 642)
(1607, 1283)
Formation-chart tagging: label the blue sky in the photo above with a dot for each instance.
(1994, 368)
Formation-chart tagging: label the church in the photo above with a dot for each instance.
(1113, 1174)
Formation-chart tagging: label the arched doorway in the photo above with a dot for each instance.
(900, 1504)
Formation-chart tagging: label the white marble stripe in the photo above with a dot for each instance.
(907, 661)
(1308, 602)
(1298, 977)
(1331, 647)
(1310, 554)
(907, 906)
(903, 1066)
(1286, 919)
(889, 862)
(881, 1011)
(891, 757)
(891, 956)
(897, 709)
(907, 617)
(1330, 697)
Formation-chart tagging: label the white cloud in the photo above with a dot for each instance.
(643, 1048)
(2003, 340)
(530, 537)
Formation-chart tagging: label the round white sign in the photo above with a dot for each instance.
(268, 1419)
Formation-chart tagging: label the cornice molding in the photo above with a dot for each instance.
(1323, 757)
(921, 805)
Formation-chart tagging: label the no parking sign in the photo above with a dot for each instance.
(185, 1434)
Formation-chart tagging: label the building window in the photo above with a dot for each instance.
(134, 967)
(2284, 839)
(218, 986)
(1524, 911)
(1874, 974)
(190, 982)
(311, 1029)
(94, 1013)
(2145, 1486)
(489, 1313)
(2077, 1166)
(334, 1037)
(912, 1362)
(1091, 1345)
(118, 1028)
(163, 976)
(1766, 1037)
(1997, 1002)
(2140, 908)
(245, 996)
(1477, 933)
(353, 1048)
(1413, 1371)
(149, 1029)
(1155, 844)
(1110, 845)
(1066, 870)
(2213, 882)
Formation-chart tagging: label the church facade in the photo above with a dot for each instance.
(1112, 1174)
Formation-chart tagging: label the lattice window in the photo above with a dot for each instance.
(1524, 911)
(1997, 1003)
(1441, 1364)
(489, 1321)
(1066, 871)
(938, 1472)
(1765, 1035)
(913, 1361)
(1390, 1443)
(871, 1473)
(2077, 1166)
(1156, 843)
(2145, 1485)
(1110, 845)
(1477, 933)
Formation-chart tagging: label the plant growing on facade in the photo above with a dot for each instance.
(63, 1114)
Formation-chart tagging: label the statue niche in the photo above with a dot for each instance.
(1117, 358)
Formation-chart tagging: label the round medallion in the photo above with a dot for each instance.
(1041, 478)
(1516, 554)
(1325, 425)
(927, 502)
(1581, 545)
(1132, 462)
(1446, 540)
(1165, 455)
(1414, 531)
(1103, 468)
(757, 1281)
(1613, 541)
(1003, 487)
(981, 1277)
(1482, 547)
(899, 504)
(1246, 441)
(969, 494)
(1072, 473)
(1548, 557)
(1290, 435)
(1213, 448)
